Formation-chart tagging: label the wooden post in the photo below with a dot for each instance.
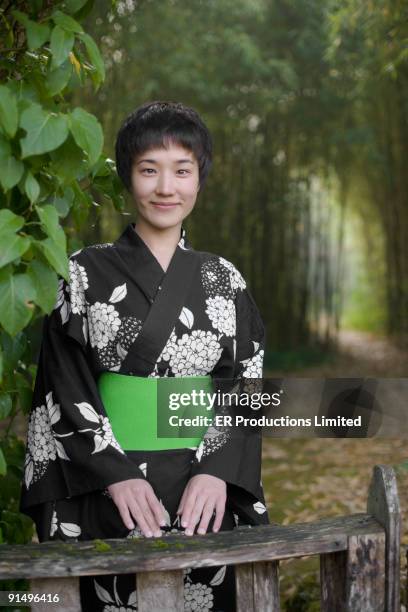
(354, 580)
(333, 581)
(160, 591)
(365, 574)
(67, 590)
(244, 587)
(257, 586)
(266, 586)
(351, 580)
(383, 504)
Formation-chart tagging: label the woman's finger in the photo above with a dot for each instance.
(156, 508)
(188, 507)
(195, 514)
(208, 511)
(182, 500)
(140, 519)
(219, 514)
(125, 515)
(149, 516)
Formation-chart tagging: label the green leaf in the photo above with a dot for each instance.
(24, 91)
(45, 281)
(56, 255)
(12, 169)
(8, 111)
(57, 79)
(10, 222)
(62, 203)
(1, 365)
(87, 132)
(5, 148)
(73, 6)
(94, 54)
(69, 161)
(5, 405)
(3, 464)
(102, 168)
(50, 222)
(65, 21)
(31, 187)
(37, 34)
(13, 247)
(45, 131)
(61, 45)
(16, 291)
(21, 17)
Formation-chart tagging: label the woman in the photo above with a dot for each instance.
(142, 310)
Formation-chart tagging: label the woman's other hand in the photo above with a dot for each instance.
(203, 495)
(135, 499)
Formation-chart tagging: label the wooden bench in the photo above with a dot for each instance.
(359, 560)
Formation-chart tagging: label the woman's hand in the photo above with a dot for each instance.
(202, 495)
(135, 498)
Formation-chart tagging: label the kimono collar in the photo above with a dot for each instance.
(131, 238)
(140, 261)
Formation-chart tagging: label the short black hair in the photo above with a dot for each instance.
(155, 124)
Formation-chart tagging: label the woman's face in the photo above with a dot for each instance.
(165, 185)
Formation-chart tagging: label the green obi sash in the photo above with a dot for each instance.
(157, 413)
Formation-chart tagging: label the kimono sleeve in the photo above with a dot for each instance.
(237, 457)
(70, 447)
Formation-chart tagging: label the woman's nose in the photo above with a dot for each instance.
(165, 184)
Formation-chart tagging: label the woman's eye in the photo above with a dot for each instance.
(150, 171)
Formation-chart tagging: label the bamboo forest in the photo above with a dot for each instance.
(307, 104)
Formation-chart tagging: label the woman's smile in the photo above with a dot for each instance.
(165, 205)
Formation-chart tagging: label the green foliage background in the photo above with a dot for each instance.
(307, 103)
(53, 171)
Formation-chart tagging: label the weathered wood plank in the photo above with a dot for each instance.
(383, 504)
(257, 587)
(263, 543)
(333, 581)
(365, 574)
(66, 588)
(354, 580)
(244, 587)
(160, 591)
(266, 586)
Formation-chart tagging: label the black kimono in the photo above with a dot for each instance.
(72, 454)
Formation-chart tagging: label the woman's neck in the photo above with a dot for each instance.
(161, 242)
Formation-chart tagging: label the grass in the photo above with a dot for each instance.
(299, 358)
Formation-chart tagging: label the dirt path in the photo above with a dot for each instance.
(360, 354)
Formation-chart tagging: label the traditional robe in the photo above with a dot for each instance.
(72, 454)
